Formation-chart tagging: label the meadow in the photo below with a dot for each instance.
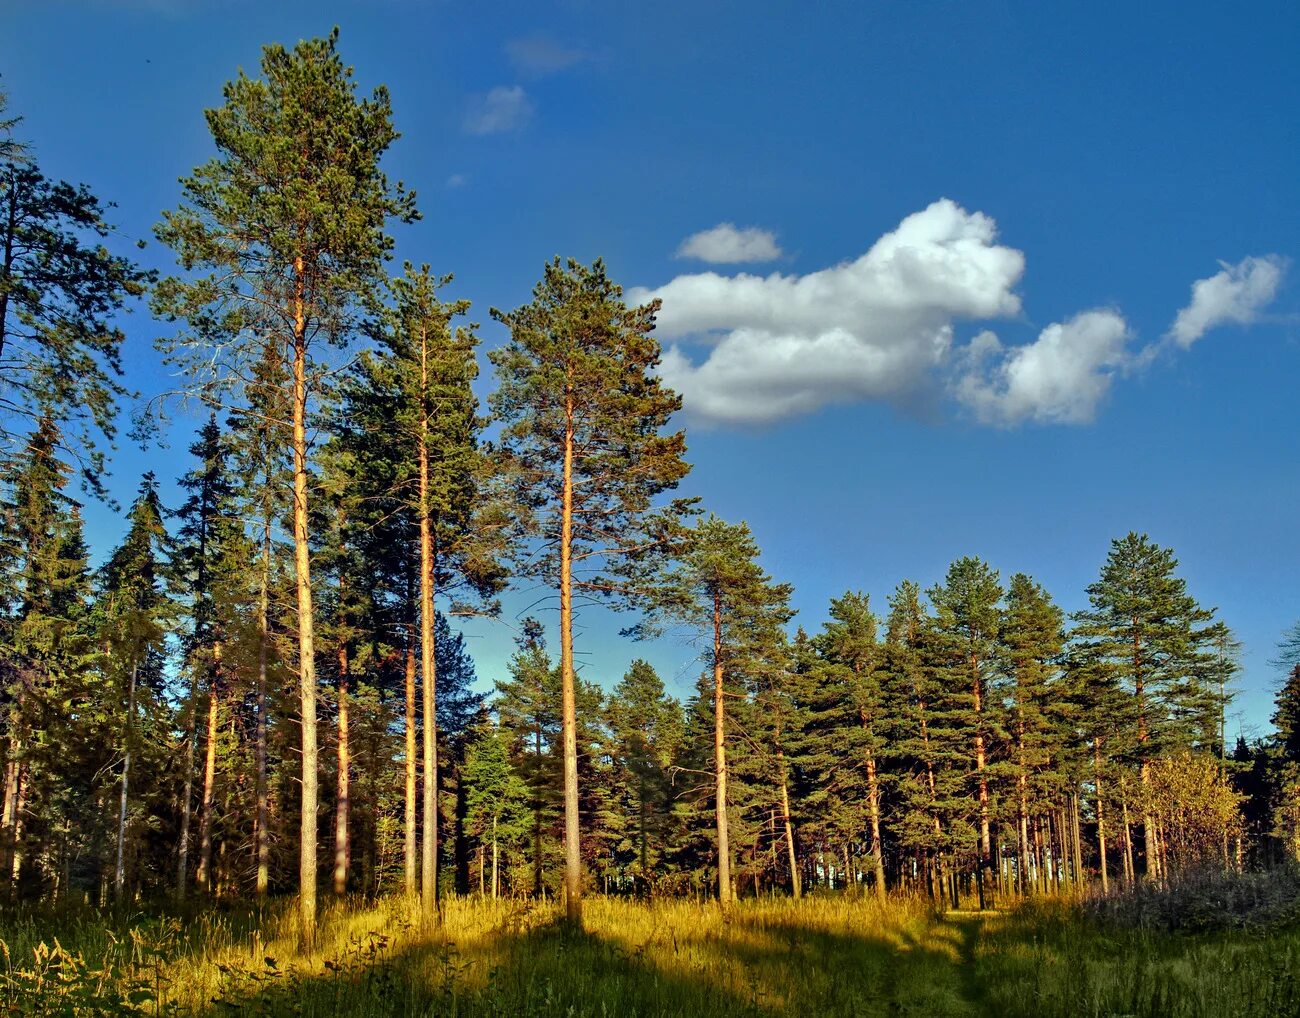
(820, 956)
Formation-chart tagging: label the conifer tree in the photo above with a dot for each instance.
(718, 587)
(1146, 627)
(584, 415)
(496, 810)
(60, 288)
(135, 613)
(282, 269)
(966, 621)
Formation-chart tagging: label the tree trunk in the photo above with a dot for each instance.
(412, 851)
(720, 758)
(795, 890)
(262, 835)
(1099, 806)
(572, 850)
(342, 847)
(1130, 871)
(496, 883)
(119, 875)
(20, 803)
(187, 794)
(428, 675)
(307, 871)
(977, 688)
(203, 875)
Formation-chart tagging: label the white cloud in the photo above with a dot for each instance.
(1059, 378)
(539, 55)
(1236, 294)
(877, 327)
(457, 180)
(726, 244)
(501, 110)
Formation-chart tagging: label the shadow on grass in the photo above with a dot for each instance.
(746, 965)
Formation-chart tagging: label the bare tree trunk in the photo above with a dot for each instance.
(795, 889)
(262, 835)
(412, 850)
(1099, 807)
(119, 875)
(986, 844)
(203, 875)
(569, 720)
(428, 675)
(13, 771)
(873, 810)
(307, 870)
(187, 794)
(20, 804)
(496, 883)
(1078, 838)
(1130, 871)
(342, 847)
(720, 758)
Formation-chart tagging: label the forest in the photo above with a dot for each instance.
(249, 762)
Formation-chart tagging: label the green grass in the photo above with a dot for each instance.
(824, 956)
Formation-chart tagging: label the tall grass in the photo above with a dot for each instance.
(823, 956)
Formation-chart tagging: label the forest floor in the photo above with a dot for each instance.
(821, 956)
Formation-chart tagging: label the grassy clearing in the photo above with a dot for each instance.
(826, 956)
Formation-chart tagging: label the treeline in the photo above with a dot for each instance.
(254, 694)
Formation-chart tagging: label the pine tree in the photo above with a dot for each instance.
(60, 288)
(1146, 627)
(584, 414)
(967, 617)
(286, 267)
(718, 587)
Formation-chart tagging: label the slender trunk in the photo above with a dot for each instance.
(203, 875)
(342, 847)
(411, 846)
(720, 758)
(1099, 806)
(537, 820)
(1077, 836)
(307, 871)
(119, 875)
(572, 851)
(977, 688)
(1130, 871)
(1148, 822)
(262, 836)
(873, 808)
(20, 804)
(428, 675)
(496, 884)
(13, 770)
(482, 871)
(795, 890)
(187, 794)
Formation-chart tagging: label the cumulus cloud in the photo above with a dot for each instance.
(1059, 378)
(1236, 294)
(503, 109)
(539, 55)
(727, 244)
(877, 327)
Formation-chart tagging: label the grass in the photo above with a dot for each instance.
(823, 956)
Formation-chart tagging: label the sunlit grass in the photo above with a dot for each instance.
(822, 956)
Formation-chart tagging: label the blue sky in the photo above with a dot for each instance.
(971, 230)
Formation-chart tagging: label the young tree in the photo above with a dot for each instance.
(135, 612)
(496, 801)
(284, 235)
(584, 415)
